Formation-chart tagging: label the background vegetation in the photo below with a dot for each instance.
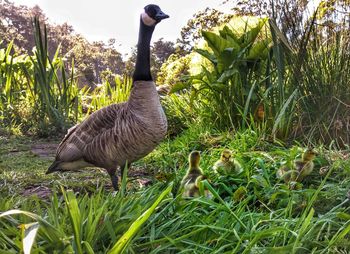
(264, 81)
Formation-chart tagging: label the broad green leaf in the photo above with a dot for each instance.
(207, 55)
(228, 58)
(227, 33)
(249, 37)
(219, 86)
(259, 50)
(216, 42)
(227, 75)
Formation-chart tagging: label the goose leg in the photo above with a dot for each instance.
(114, 178)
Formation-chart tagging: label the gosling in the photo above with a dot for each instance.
(194, 175)
(301, 168)
(227, 165)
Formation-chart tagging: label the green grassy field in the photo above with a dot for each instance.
(250, 213)
(244, 90)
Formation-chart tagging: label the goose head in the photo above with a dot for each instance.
(152, 15)
(194, 159)
(308, 155)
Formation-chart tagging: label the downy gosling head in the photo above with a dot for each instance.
(194, 174)
(194, 159)
(227, 164)
(309, 155)
(226, 155)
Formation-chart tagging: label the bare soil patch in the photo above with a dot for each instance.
(44, 149)
(39, 191)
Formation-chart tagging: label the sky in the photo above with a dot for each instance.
(104, 19)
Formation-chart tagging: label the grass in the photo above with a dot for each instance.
(80, 213)
(253, 212)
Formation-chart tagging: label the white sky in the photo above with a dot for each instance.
(104, 19)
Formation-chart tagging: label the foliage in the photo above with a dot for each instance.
(174, 69)
(107, 94)
(230, 86)
(281, 76)
(52, 95)
(297, 66)
(160, 52)
(324, 88)
(267, 217)
(202, 20)
(90, 58)
(320, 53)
(37, 89)
(39, 96)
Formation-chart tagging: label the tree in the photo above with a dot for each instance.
(203, 20)
(160, 52)
(90, 59)
(16, 25)
(293, 16)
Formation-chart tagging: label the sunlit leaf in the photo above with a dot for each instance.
(207, 55)
(30, 230)
(216, 42)
(259, 50)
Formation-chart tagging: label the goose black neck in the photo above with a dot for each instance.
(142, 66)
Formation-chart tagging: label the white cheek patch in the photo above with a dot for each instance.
(147, 20)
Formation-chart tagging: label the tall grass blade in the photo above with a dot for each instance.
(216, 195)
(282, 113)
(125, 239)
(75, 218)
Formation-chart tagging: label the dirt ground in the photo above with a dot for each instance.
(44, 149)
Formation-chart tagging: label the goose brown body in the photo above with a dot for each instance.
(119, 133)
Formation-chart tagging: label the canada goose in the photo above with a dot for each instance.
(194, 174)
(301, 168)
(227, 165)
(121, 133)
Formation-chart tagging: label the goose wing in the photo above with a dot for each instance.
(78, 137)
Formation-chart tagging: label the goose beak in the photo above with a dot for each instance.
(160, 16)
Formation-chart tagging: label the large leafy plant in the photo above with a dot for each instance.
(229, 83)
